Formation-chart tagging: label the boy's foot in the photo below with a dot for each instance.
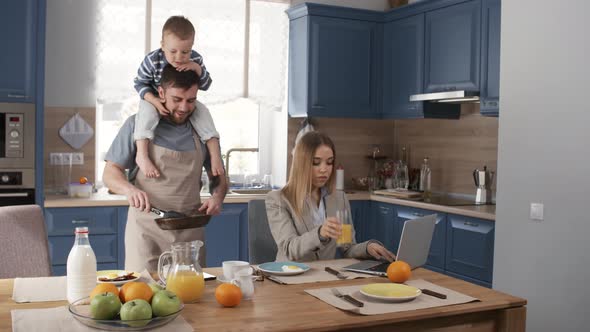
(147, 167)
(216, 166)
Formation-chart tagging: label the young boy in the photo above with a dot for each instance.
(178, 35)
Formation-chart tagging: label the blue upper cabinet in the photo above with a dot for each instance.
(452, 41)
(18, 34)
(334, 63)
(490, 58)
(403, 67)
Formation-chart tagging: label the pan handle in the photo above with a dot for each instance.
(157, 211)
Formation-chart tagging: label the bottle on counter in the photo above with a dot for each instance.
(342, 212)
(425, 178)
(81, 267)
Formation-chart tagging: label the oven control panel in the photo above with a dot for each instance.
(11, 178)
(13, 135)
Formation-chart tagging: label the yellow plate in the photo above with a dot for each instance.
(390, 292)
(113, 274)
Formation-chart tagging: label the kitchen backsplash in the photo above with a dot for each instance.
(454, 147)
(55, 118)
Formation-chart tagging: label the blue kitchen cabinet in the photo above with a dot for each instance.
(403, 67)
(103, 228)
(490, 58)
(18, 35)
(334, 63)
(122, 223)
(452, 48)
(470, 247)
(436, 255)
(359, 209)
(226, 235)
(381, 226)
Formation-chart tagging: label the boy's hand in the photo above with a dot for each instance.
(191, 66)
(162, 110)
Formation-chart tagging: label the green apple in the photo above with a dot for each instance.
(136, 310)
(105, 306)
(165, 303)
(155, 287)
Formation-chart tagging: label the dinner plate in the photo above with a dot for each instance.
(277, 268)
(112, 273)
(390, 292)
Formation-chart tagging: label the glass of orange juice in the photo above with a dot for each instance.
(346, 235)
(184, 275)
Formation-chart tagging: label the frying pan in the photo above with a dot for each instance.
(172, 220)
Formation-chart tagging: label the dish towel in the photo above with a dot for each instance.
(376, 307)
(39, 289)
(60, 319)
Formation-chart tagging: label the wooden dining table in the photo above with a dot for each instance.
(277, 307)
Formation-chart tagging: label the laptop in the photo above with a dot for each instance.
(413, 249)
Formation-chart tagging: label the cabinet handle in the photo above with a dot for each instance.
(10, 95)
(319, 107)
(79, 222)
(418, 214)
(469, 223)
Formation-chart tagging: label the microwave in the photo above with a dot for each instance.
(17, 136)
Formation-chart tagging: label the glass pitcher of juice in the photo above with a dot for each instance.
(184, 275)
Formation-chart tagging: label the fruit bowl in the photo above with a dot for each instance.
(81, 311)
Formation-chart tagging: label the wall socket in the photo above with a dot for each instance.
(65, 158)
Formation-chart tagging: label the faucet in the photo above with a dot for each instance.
(227, 160)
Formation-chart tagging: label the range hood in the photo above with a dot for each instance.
(454, 97)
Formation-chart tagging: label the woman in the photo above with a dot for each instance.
(301, 214)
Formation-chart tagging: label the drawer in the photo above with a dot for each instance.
(104, 247)
(98, 220)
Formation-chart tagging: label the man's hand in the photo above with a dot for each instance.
(379, 252)
(191, 66)
(138, 199)
(212, 206)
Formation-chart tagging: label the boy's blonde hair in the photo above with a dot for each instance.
(179, 26)
(299, 185)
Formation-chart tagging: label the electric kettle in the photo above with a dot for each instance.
(483, 182)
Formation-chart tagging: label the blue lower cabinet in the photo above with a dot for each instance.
(470, 247)
(63, 221)
(358, 209)
(122, 216)
(471, 280)
(382, 225)
(226, 235)
(436, 256)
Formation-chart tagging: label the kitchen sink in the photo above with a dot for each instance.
(249, 191)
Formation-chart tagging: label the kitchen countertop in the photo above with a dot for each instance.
(102, 198)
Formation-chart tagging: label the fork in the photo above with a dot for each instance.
(336, 273)
(347, 297)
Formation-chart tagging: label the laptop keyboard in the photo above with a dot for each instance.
(380, 268)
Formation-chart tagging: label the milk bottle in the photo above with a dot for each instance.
(81, 268)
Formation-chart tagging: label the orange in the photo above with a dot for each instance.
(228, 295)
(399, 271)
(135, 290)
(104, 288)
(83, 180)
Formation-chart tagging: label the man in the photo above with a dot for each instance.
(179, 154)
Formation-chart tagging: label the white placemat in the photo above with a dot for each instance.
(39, 289)
(375, 307)
(60, 319)
(317, 273)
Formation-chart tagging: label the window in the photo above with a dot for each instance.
(244, 45)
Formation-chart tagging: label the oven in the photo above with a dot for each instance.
(17, 154)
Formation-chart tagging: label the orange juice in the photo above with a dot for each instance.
(187, 285)
(346, 235)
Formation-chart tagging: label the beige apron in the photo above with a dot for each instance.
(176, 189)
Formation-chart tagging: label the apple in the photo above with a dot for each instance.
(165, 303)
(136, 310)
(155, 287)
(105, 306)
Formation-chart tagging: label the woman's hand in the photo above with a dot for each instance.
(379, 252)
(331, 228)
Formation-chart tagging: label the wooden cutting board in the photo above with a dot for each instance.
(399, 193)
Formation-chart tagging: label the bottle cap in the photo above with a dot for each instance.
(81, 230)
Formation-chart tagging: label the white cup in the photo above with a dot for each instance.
(231, 267)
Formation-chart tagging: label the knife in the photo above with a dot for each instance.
(433, 293)
(334, 272)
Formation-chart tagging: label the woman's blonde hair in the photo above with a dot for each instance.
(299, 185)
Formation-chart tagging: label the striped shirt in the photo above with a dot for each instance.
(149, 73)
